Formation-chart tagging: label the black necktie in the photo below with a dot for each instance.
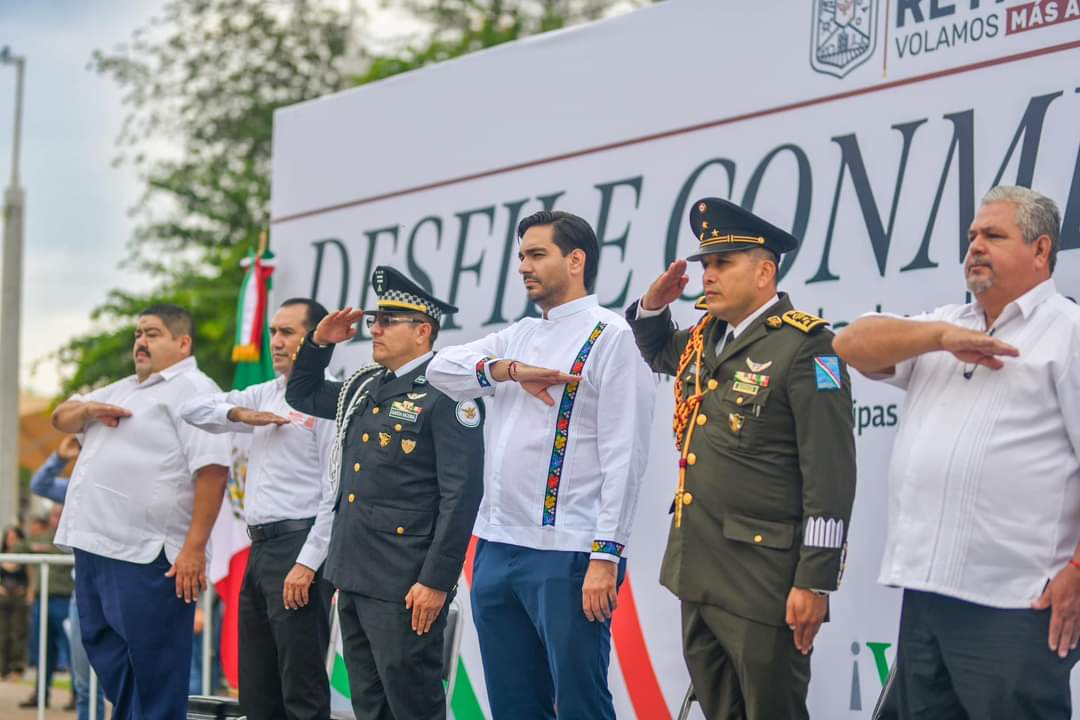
(730, 339)
(389, 376)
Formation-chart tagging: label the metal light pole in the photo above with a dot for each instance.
(10, 310)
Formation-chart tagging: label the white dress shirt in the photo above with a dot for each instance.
(287, 476)
(984, 486)
(565, 477)
(133, 488)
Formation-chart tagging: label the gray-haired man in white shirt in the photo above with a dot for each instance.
(984, 510)
(288, 507)
(141, 502)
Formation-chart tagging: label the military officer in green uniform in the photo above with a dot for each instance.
(409, 467)
(763, 427)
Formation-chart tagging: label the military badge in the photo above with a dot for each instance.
(416, 396)
(774, 321)
(827, 373)
(407, 445)
(467, 413)
(758, 367)
(752, 378)
(384, 439)
(745, 388)
(420, 380)
(405, 410)
(735, 421)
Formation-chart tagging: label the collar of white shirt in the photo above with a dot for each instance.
(413, 364)
(1025, 304)
(188, 363)
(741, 327)
(571, 308)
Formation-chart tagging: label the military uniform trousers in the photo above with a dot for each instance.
(282, 651)
(540, 652)
(742, 669)
(394, 674)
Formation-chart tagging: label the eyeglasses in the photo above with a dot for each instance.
(386, 321)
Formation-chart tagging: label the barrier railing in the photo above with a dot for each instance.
(43, 560)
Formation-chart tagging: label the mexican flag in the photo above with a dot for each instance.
(251, 353)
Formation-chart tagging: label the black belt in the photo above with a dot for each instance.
(259, 533)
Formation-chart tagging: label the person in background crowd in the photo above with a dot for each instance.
(61, 586)
(141, 503)
(984, 483)
(14, 618)
(48, 484)
(562, 479)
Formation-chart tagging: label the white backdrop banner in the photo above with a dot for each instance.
(869, 128)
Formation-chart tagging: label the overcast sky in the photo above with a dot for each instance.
(77, 226)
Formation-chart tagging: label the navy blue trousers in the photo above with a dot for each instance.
(137, 634)
(539, 650)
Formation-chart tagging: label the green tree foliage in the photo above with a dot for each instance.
(203, 81)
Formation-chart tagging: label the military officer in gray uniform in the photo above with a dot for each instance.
(763, 428)
(409, 463)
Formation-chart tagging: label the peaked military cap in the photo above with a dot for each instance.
(722, 226)
(397, 293)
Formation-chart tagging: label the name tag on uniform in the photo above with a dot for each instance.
(405, 410)
(746, 388)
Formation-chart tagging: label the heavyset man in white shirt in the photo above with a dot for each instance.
(284, 602)
(141, 502)
(562, 476)
(984, 486)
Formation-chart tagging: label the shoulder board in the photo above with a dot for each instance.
(700, 304)
(803, 321)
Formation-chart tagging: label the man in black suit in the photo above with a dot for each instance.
(409, 464)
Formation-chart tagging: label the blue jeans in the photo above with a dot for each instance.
(56, 640)
(80, 669)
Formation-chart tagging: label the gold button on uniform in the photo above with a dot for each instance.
(400, 530)
(691, 459)
(687, 498)
(702, 419)
(740, 400)
(364, 437)
(758, 538)
(398, 427)
(375, 410)
(352, 498)
(713, 384)
(356, 467)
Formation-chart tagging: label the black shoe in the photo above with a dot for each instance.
(31, 702)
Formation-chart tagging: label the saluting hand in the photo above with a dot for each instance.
(297, 583)
(255, 418)
(667, 288)
(426, 604)
(1062, 596)
(190, 573)
(971, 346)
(107, 415)
(533, 380)
(338, 326)
(805, 613)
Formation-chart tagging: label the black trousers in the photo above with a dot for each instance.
(394, 674)
(958, 660)
(282, 652)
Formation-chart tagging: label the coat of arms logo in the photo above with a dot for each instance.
(844, 36)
